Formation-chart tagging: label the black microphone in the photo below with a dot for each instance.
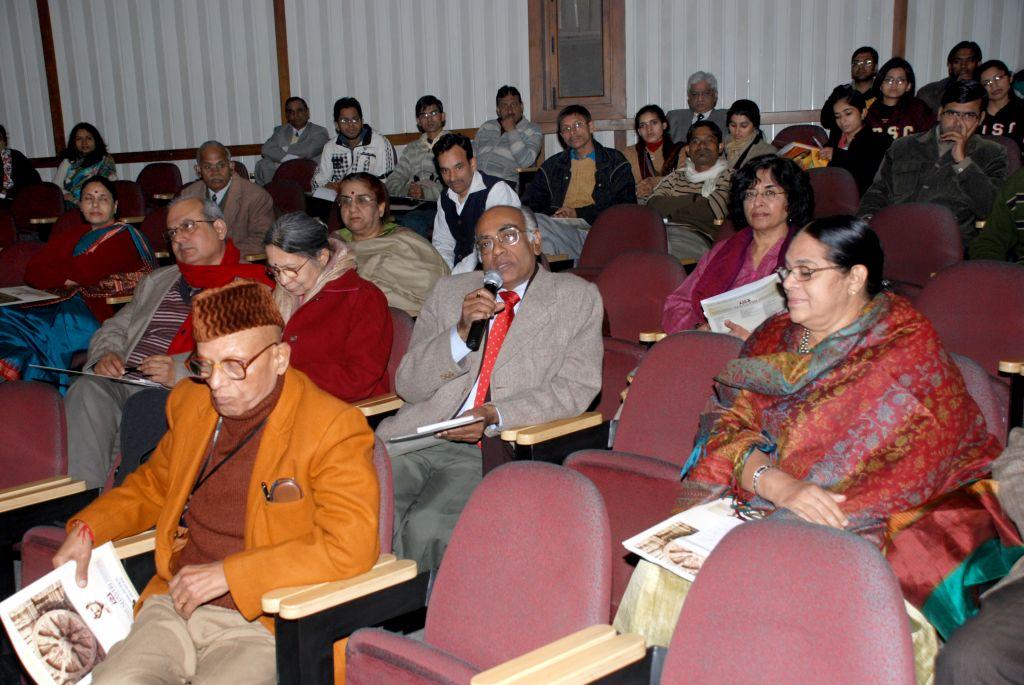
(493, 282)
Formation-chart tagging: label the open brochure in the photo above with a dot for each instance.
(23, 294)
(749, 305)
(61, 631)
(682, 543)
(128, 379)
(807, 156)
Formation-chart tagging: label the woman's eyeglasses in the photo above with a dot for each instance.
(802, 273)
(361, 200)
(276, 272)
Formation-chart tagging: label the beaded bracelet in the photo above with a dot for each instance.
(758, 472)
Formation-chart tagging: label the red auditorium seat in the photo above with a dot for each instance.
(8, 231)
(919, 239)
(808, 134)
(1013, 162)
(33, 444)
(835, 191)
(131, 202)
(159, 179)
(37, 207)
(299, 170)
(14, 260)
(634, 286)
(486, 607)
(240, 169)
(616, 230)
(154, 227)
(287, 195)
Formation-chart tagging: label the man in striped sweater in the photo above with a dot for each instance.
(693, 198)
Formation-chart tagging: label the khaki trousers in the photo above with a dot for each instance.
(215, 645)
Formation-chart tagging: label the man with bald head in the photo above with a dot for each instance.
(248, 209)
(539, 360)
(262, 481)
(149, 337)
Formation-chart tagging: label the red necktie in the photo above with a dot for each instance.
(502, 322)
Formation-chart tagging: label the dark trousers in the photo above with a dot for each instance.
(143, 424)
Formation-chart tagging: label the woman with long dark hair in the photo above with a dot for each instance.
(84, 156)
(655, 154)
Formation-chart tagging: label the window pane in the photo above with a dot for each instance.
(580, 48)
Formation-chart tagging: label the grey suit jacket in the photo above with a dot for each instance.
(549, 366)
(310, 144)
(679, 122)
(1008, 470)
(121, 333)
(248, 211)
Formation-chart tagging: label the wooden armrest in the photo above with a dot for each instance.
(120, 299)
(689, 261)
(579, 658)
(652, 336)
(980, 225)
(135, 545)
(163, 196)
(162, 254)
(558, 258)
(527, 169)
(321, 597)
(1011, 366)
(718, 222)
(261, 257)
(39, 491)
(43, 220)
(271, 601)
(133, 219)
(531, 435)
(381, 404)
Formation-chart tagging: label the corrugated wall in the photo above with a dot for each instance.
(24, 107)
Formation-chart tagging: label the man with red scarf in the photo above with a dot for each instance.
(151, 336)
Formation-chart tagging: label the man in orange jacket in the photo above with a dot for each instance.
(261, 481)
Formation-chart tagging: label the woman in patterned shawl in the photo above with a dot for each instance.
(84, 156)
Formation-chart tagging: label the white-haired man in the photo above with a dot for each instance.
(702, 96)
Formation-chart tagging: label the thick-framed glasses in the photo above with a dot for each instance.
(360, 200)
(802, 273)
(863, 62)
(350, 120)
(700, 94)
(768, 195)
(571, 128)
(429, 115)
(508, 235)
(235, 369)
(185, 228)
(890, 81)
(966, 117)
(989, 82)
(276, 272)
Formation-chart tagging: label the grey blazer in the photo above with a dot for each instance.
(679, 122)
(309, 146)
(121, 333)
(1008, 471)
(549, 366)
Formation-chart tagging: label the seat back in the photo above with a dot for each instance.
(131, 202)
(1013, 162)
(793, 602)
(240, 169)
(919, 239)
(33, 443)
(621, 228)
(977, 308)
(401, 327)
(8, 231)
(725, 231)
(672, 387)
(808, 134)
(159, 178)
(551, 577)
(153, 227)
(14, 260)
(633, 287)
(37, 201)
(620, 358)
(835, 191)
(299, 170)
(287, 195)
(992, 396)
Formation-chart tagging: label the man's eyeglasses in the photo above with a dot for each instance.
(185, 228)
(571, 128)
(361, 200)
(429, 115)
(235, 369)
(966, 117)
(219, 166)
(350, 120)
(989, 82)
(700, 94)
(276, 272)
(890, 81)
(768, 195)
(802, 273)
(863, 62)
(508, 235)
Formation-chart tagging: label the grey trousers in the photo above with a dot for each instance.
(94, 417)
(685, 243)
(432, 486)
(987, 650)
(562, 236)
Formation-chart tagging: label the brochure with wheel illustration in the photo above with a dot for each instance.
(682, 543)
(61, 631)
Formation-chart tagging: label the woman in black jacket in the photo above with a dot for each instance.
(853, 145)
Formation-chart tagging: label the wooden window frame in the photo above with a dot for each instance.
(544, 101)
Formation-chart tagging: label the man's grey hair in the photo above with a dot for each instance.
(698, 76)
(211, 210)
(209, 144)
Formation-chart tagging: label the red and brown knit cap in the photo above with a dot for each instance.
(238, 306)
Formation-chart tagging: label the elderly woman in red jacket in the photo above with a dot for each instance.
(336, 323)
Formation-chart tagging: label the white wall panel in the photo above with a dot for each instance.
(24, 107)
(388, 53)
(935, 26)
(153, 75)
